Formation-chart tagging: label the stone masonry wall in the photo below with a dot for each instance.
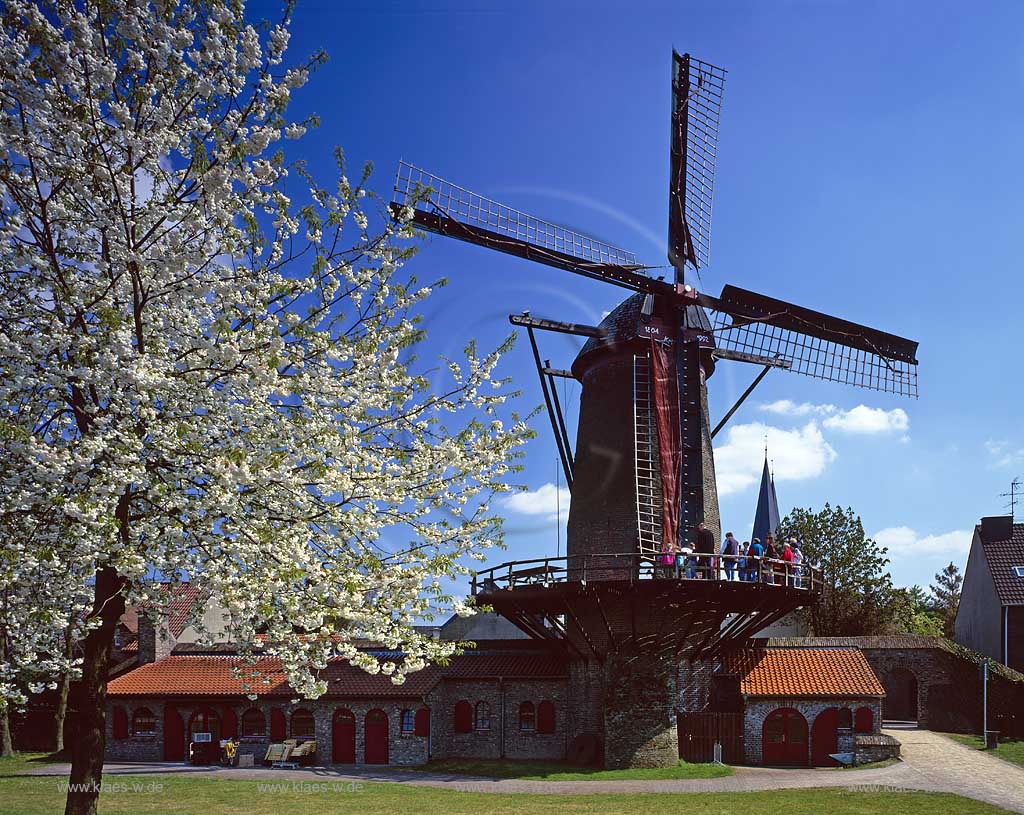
(503, 738)
(403, 749)
(693, 685)
(869, 749)
(756, 710)
(585, 699)
(948, 687)
(639, 710)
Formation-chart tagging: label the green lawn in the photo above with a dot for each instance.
(558, 771)
(187, 795)
(1010, 750)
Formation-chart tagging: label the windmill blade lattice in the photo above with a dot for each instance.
(466, 207)
(697, 89)
(814, 344)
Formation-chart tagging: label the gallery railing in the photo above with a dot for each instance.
(737, 569)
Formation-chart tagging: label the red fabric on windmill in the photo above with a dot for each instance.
(666, 411)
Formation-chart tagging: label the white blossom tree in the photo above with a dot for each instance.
(41, 619)
(206, 378)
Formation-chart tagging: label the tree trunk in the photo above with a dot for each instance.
(6, 745)
(65, 688)
(60, 714)
(90, 738)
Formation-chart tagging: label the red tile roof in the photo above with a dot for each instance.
(508, 666)
(183, 600)
(198, 676)
(211, 675)
(1002, 556)
(803, 672)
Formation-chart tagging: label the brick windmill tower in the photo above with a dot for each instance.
(642, 638)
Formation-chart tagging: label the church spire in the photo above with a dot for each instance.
(766, 519)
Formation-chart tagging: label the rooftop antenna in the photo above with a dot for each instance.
(1015, 493)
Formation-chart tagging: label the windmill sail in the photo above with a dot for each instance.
(814, 344)
(697, 89)
(448, 209)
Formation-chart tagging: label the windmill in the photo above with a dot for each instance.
(678, 327)
(642, 471)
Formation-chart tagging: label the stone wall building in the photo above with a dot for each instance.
(504, 700)
(802, 705)
(932, 681)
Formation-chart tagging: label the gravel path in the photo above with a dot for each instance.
(932, 763)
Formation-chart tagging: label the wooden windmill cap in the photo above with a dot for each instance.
(624, 333)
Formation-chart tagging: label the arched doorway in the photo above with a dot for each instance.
(376, 734)
(900, 703)
(174, 735)
(343, 737)
(825, 738)
(784, 738)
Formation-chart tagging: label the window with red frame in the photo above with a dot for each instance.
(143, 722)
(408, 720)
(527, 717)
(254, 724)
(482, 716)
(303, 724)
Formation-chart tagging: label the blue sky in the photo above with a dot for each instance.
(870, 167)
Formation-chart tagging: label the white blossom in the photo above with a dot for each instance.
(193, 391)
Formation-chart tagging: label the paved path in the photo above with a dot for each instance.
(958, 768)
(932, 763)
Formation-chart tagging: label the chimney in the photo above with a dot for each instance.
(155, 640)
(997, 528)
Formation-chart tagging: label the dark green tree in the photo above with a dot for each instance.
(946, 596)
(858, 597)
(913, 613)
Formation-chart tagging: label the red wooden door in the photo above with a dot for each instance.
(825, 738)
(784, 738)
(376, 732)
(174, 735)
(278, 725)
(229, 724)
(343, 737)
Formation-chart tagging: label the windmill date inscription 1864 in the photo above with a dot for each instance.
(644, 640)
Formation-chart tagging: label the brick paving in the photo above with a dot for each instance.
(958, 768)
(932, 763)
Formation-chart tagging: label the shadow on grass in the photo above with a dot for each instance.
(19, 763)
(561, 771)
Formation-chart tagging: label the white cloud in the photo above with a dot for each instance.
(867, 420)
(902, 540)
(861, 420)
(796, 454)
(786, 407)
(1004, 454)
(546, 500)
